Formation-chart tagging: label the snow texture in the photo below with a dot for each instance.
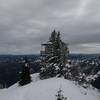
(47, 90)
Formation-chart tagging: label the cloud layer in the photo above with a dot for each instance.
(25, 24)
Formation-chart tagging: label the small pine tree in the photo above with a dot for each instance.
(60, 95)
(25, 73)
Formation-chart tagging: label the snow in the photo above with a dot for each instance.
(26, 64)
(68, 66)
(37, 61)
(47, 90)
(93, 77)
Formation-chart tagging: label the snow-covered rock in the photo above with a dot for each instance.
(47, 90)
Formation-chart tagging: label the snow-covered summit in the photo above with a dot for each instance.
(47, 90)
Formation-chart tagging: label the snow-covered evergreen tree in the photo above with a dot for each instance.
(55, 61)
(25, 77)
(56, 54)
(60, 95)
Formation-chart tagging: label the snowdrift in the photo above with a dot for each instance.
(47, 90)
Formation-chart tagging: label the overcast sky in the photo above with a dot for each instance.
(25, 24)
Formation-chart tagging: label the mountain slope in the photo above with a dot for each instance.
(47, 89)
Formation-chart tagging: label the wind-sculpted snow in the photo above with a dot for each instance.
(47, 90)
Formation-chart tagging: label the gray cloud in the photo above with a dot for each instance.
(24, 25)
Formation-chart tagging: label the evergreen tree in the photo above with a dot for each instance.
(25, 73)
(60, 95)
(56, 59)
(57, 48)
(61, 50)
(65, 55)
(75, 73)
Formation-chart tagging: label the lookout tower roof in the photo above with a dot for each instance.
(47, 43)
